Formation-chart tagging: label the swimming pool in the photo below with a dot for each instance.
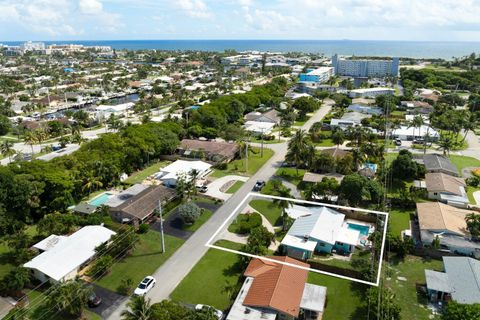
(363, 229)
(101, 199)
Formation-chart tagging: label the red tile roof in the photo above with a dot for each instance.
(276, 286)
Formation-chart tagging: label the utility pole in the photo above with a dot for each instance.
(261, 153)
(246, 155)
(161, 225)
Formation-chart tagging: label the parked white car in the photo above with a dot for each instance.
(218, 313)
(146, 285)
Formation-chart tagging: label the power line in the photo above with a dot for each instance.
(97, 256)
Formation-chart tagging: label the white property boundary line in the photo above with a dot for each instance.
(259, 195)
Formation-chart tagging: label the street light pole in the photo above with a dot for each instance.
(261, 153)
(161, 225)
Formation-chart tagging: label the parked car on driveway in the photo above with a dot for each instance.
(200, 307)
(259, 185)
(398, 142)
(202, 189)
(94, 300)
(146, 285)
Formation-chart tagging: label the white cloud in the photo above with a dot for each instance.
(270, 20)
(194, 8)
(57, 18)
(91, 7)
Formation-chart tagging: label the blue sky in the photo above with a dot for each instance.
(446, 20)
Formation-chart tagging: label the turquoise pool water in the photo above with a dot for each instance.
(101, 199)
(363, 229)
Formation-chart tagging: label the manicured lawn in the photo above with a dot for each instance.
(399, 220)
(255, 162)
(208, 280)
(390, 156)
(144, 260)
(413, 269)
(463, 162)
(5, 266)
(234, 188)
(269, 210)
(470, 191)
(344, 298)
(291, 174)
(139, 176)
(325, 143)
(200, 221)
(257, 140)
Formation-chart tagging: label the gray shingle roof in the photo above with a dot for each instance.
(437, 163)
(464, 276)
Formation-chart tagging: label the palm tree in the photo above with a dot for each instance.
(70, 297)
(297, 148)
(417, 122)
(446, 144)
(139, 308)
(6, 149)
(284, 204)
(30, 139)
(92, 183)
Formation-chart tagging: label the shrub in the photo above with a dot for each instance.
(189, 212)
(101, 266)
(246, 222)
(143, 228)
(125, 286)
(222, 166)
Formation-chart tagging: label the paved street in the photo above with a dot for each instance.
(170, 274)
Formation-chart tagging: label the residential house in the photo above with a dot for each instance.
(349, 119)
(447, 189)
(271, 116)
(439, 163)
(321, 229)
(182, 168)
(138, 206)
(274, 290)
(459, 282)
(406, 133)
(215, 151)
(440, 221)
(64, 256)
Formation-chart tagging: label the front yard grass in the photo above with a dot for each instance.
(398, 220)
(470, 191)
(292, 175)
(234, 188)
(463, 162)
(325, 143)
(144, 260)
(210, 278)
(412, 268)
(237, 167)
(344, 297)
(139, 176)
(269, 210)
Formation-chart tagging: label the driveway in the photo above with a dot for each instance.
(214, 187)
(173, 223)
(110, 301)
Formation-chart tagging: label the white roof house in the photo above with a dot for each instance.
(63, 260)
(259, 127)
(169, 174)
(49, 242)
(411, 133)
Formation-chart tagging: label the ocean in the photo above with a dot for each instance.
(413, 49)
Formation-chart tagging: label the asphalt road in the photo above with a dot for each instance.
(170, 274)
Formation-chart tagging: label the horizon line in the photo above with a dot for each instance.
(246, 39)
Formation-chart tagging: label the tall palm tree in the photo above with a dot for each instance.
(6, 149)
(139, 308)
(70, 297)
(417, 122)
(297, 148)
(92, 183)
(30, 139)
(284, 204)
(446, 144)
